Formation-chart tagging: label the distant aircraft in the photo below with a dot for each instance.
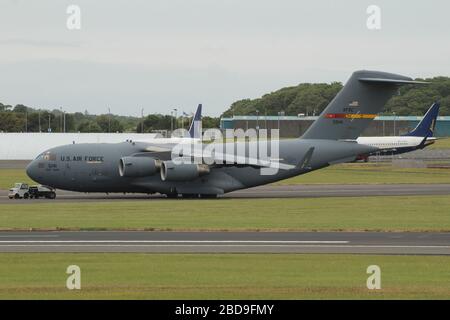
(194, 132)
(143, 167)
(419, 138)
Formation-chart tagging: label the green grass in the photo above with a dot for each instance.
(10, 176)
(356, 173)
(397, 213)
(443, 143)
(223, 276)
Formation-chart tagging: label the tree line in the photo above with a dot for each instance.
(305, 98)
(312, 98)
(21, 118)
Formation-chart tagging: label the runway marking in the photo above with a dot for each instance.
(231, 245)
(173, 241)
(29, 236)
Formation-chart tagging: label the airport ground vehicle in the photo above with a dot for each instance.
(24, 191)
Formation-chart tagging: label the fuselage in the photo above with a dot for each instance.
(395, 144)
(95, 167)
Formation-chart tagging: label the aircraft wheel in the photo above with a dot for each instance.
(208, 196)
(172, 195)
(190, 196)
(52, 195)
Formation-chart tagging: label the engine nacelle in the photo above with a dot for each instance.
(138, 166)
(182, 172)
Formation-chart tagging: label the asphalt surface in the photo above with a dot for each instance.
(228, 242)
(269, 191)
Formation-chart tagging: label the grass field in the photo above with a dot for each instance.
(222, 276)
(424, 213)
(441, 144)
(10, 176)
(356, 173)
(351, 173)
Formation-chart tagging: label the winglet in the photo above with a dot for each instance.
(195, 130)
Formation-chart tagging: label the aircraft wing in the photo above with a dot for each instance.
(164, 151)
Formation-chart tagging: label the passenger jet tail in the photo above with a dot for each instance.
(195, 130)
(426, 127)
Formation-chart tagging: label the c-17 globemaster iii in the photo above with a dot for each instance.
(142, 167)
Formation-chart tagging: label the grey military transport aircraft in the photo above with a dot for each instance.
(145, 167)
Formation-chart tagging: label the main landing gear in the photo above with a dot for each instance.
(191, 196)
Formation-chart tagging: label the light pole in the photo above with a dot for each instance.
(109, 120)
(176, 118)
(280, 114)
(61, 121)
(26, 119)
(182, 119)
(257, 120)
(142, 120)
(173, 121)
(395, 118)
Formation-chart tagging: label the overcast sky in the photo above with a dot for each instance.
(165, 54)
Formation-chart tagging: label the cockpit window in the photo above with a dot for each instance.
(49, 156)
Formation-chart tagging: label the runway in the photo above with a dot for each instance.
(228, 242)
(269, 191)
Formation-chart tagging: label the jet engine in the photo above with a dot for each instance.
(138, 166)
(182, 172)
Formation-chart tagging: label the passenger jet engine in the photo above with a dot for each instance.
(138, 166)
(182, 172)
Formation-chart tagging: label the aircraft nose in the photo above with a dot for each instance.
(32, 170)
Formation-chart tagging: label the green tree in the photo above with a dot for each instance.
(88, 126)
(108, 123)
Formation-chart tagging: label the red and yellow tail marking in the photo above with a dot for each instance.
(349, 116)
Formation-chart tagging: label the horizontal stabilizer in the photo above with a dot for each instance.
(391, 81)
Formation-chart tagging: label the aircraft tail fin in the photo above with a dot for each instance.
(426, 126)
(195, 130)
(356, 105)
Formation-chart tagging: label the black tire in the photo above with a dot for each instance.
(190, 196)
(172, 195)
(26, 195)
(208, 196)
(51, 195)
(16, 196)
